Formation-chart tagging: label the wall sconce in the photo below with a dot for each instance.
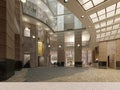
(23, 1)
(78, 45)
(33, 36)
(65, 1)
(59, 46)
(49, 46)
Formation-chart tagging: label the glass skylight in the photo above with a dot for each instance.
(103, 30)
(109, 22)
(106, 13)
(103, 35)
(87, 4)
(117, 19)
(118, 30)
(108, 33)
(96, 2)
(110, 8)
(117, 36)
(97, 26)
(103, 24)
(93, 15)
(102, 17)
(116, 26)
(97, 31)
(110, 14)
(114, 32)
(118, 11)
(109, 28)
(118, 5)
(101, 12)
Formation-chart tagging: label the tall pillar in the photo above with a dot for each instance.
(3, 29)
(78, 47)
(8, 28)
(46, 49)
(60, 48)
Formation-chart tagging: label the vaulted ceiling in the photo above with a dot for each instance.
(101, 17)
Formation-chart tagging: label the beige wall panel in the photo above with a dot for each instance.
(103, 51)
(118, 50)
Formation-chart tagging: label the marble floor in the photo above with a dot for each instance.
(64, 74)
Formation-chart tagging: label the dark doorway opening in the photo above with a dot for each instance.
(108, 61)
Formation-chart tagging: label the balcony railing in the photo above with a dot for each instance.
(33, 10)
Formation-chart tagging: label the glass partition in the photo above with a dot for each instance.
(53, 14)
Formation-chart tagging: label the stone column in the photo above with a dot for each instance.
(78, 47)
(60, 47)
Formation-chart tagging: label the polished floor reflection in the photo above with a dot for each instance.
(63, 74)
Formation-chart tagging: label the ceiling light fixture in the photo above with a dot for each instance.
(82, 16)
(65, 1)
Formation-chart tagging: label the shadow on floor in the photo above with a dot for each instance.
(48, 73)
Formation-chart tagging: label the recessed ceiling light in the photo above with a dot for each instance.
(65, 1)
(82, 16)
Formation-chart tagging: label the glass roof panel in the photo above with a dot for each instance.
(109, 28)
(114, 32)
(101, 12)
(98, 35)
(83, 1)
(110, 8)
(103, 24)
(96, 2)
(118, 5)
(103, 35)
(108, 33)
(118, 30)
(95, 20)
(93, 15)
(103, 30)
(97, 26)
(102, 17)
(88, 5)
(97, 31)
(109, 22)
(118, 11)
(110, 14)
(116, 26)
(117, 19)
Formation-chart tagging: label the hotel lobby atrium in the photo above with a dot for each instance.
(60, 41)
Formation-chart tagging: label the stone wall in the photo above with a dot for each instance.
(9, 27)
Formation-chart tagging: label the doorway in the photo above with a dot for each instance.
(69, 57)
(111, 61)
